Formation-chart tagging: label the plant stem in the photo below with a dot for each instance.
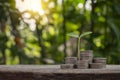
(78, 49)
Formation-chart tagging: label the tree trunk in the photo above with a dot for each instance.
(92, 23)
(64, 28)
(41, 43)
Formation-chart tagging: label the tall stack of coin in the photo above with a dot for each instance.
(82, 64)
(87, 55)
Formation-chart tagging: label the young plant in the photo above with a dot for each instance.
(79, 38)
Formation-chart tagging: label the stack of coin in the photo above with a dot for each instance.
(87, 55)
(82, 64)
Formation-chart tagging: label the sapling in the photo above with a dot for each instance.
(79, 38)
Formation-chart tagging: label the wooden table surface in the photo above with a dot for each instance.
(56, 69)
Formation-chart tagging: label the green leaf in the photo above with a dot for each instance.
(73, 35)
(84, 34)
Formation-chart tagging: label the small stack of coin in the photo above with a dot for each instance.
(70, 60)
(67, 66)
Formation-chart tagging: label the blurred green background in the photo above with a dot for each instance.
(37, 35)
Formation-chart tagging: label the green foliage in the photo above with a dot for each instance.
(73, 35)
(84, 34)
(21, 44)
